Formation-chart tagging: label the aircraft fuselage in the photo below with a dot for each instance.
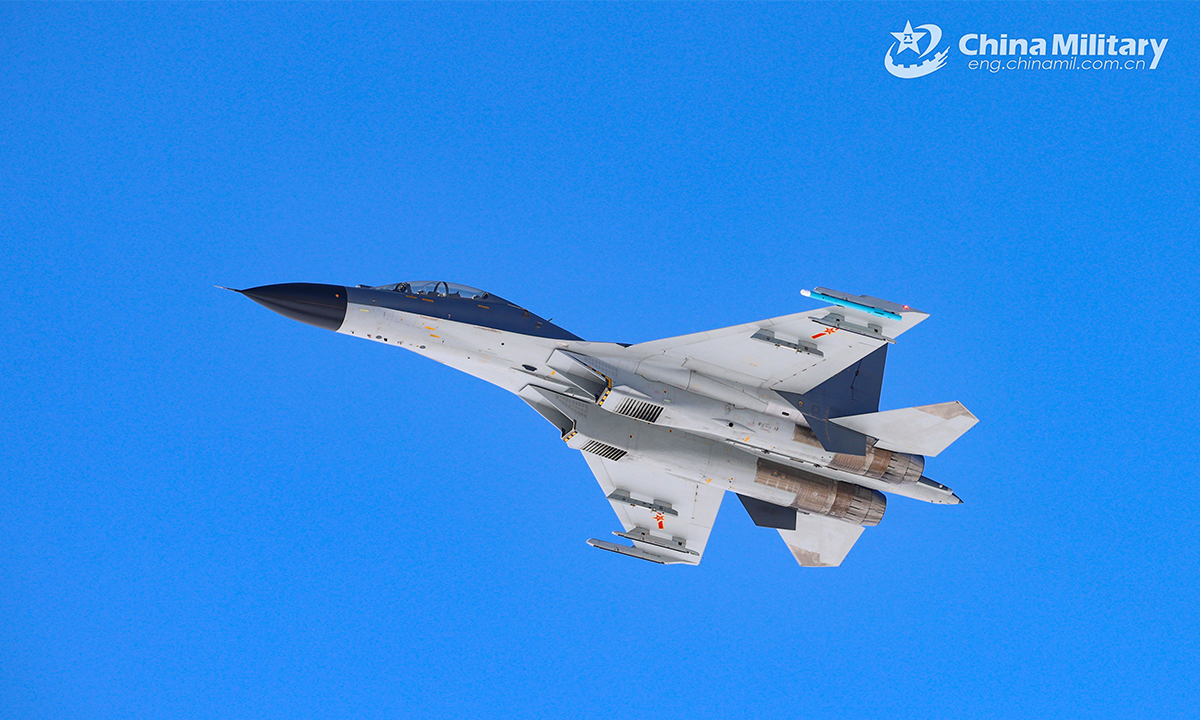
(702, 429)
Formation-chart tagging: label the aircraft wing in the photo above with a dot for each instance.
(667, 518)
(792, 353)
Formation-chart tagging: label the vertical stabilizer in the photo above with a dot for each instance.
(853, 391)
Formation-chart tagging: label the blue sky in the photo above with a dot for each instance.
(211, 511)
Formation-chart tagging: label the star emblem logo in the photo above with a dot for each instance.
(908, 39)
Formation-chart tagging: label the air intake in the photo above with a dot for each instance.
(638, 410)
(605, 451)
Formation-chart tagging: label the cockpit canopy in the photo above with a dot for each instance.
(464, 304)
(440, 288)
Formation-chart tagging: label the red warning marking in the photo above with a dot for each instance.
(659, 517)
(827, 331)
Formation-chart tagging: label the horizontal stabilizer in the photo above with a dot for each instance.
(925, 430)
(820, 541)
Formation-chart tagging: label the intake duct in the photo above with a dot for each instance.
(891, 467)
(823, 496)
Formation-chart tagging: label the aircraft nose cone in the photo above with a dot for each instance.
(320, 305)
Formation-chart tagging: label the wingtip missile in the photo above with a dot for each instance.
(856, 302)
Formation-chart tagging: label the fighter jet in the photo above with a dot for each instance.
(783, 412)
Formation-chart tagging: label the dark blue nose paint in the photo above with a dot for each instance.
(312, 303)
